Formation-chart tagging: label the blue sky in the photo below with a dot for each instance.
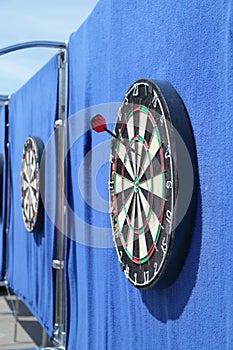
(29, 20)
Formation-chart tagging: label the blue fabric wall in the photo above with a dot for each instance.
(32, 112)
(190, 45)
(2, 219)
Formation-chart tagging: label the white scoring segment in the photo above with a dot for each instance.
(153, 221)
(25, 185)
(131, 135)
(25, 172)
(130, 129)
(34, 184)
(28, 157)
(33, 199)
(130, 241)
(33, 162)
(27, 198)
(142, 129)
(142, 124)
(121, 183)
(140, 222)
(27, 211)
(138, 156)
(124, 158)
(155, 185)
(124, 210)
(142, 246)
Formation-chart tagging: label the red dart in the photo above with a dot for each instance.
(98, 123)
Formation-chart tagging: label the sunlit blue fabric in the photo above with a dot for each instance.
(32, 112)
(190, 45)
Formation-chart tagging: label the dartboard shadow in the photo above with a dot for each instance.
(169, 304)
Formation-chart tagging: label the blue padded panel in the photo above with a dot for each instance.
(190, 45)
(2, 219)
(32, 113)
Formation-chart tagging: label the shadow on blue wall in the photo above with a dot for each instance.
(169, 304)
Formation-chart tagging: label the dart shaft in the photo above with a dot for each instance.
(122, 141)
(111, 133)
(98, 123)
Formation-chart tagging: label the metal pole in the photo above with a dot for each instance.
(8, 188)
(4, 100)
(30, 44)
(58, 263)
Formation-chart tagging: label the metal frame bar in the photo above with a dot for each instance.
(58, 263)
(8, 187)
(60, 125)
(4, 100)
(31, 44)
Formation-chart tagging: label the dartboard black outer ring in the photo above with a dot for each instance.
(178, 238)
(38, 147)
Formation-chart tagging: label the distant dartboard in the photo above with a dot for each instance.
(144, 180)
(30, 184)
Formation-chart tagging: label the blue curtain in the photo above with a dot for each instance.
(190, 45)
(2, 199)
(32, 112)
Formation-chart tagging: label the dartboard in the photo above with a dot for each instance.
(30, 184)
(144, 180)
